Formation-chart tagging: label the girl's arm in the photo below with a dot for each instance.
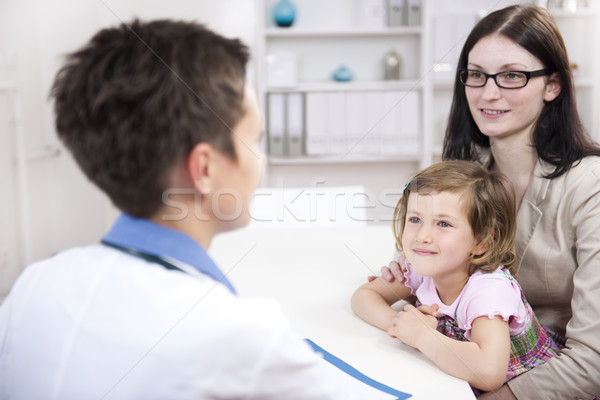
(483, 362)
(372, 301)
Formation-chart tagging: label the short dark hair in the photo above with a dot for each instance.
(488, 200)
(136, 99)
(558, 135)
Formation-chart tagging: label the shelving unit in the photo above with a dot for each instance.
(321, 45)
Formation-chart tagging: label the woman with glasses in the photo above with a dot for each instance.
(514, 111)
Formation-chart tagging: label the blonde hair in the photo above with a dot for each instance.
(488, 200)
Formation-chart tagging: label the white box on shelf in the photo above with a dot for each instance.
(374, 117)
(282, 70)
(408, 123)
(390, 125)
(336, 105)
(356, 123)
(371, 13)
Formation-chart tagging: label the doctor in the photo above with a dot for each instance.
(159, 117)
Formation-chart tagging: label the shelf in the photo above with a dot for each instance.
(342, 32)
(357, 86)
(349, 159)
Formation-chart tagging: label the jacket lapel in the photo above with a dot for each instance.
(530, 214)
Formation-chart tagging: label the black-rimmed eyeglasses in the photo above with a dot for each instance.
(505, 79)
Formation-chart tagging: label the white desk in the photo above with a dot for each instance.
(313, 272)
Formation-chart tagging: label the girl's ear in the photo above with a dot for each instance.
(553, 88)
(482, 245)
(479, 249)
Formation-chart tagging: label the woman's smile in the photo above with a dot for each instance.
(491, 113)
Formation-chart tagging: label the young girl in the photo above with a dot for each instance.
(455, 224)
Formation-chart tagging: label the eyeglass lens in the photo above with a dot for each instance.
(508, 79)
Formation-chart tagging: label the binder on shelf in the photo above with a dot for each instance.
(338, 124)
(396, 12)
(413, 12)
(276, 124)
(375, 115)
(317, 124)
(390, 129)
(295, 124)
(409, 118)
(336, 105)
(356, 127)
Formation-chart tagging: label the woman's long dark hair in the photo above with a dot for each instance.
(558, 135)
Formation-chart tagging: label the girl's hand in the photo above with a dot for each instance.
(429, 310)
(393, 271)
(411, 324)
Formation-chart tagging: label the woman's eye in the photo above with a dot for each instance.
(475, 74)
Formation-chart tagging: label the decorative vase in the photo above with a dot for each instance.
(342, 74)
(284, 13)
(391, 66)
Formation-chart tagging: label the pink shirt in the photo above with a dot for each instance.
(485, 294)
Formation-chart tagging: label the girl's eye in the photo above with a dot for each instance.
(414, 220)
(444, 224)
